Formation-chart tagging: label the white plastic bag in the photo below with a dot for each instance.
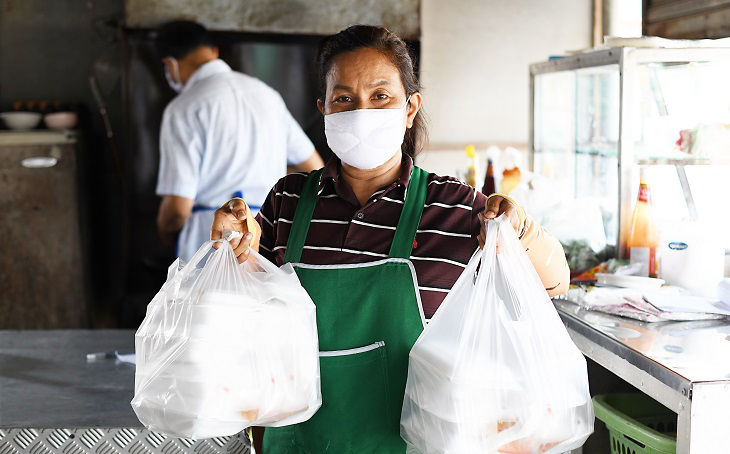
(495, 370)
(225, 346)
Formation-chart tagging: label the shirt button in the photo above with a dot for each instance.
(360, 215)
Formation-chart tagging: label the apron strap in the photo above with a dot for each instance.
(410, 217)
(302, 218)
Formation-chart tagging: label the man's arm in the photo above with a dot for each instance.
(313, 162)
(174, 211)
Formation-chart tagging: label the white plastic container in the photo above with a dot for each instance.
(692, 257)
(225, 346)
(495, 370)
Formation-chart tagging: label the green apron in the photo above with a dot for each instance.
(368, 317)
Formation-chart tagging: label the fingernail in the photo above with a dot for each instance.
(249, 235)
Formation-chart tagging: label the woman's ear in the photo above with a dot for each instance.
(320, 106)
(414, 105)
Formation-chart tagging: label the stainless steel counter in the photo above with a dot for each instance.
(53, 400)
(683, 365)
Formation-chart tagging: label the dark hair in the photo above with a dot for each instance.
(178, 38)
(387, 42)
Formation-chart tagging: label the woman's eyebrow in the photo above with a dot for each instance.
(371, 85)
(379, 83)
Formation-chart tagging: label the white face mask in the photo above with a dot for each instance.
(174, 80)
(366, 138)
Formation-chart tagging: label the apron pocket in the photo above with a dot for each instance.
(355, 411)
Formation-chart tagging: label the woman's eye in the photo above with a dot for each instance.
(343, 99)
(381, 96)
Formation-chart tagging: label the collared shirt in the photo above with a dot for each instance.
(226, 133)
(343, 232)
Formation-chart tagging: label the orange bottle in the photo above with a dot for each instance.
(644, 237)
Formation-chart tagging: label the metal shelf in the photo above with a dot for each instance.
(674, 162)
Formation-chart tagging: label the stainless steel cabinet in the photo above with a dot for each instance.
(41, 269)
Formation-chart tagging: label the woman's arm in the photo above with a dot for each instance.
(547, 256)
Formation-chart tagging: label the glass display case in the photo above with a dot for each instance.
(598, 117)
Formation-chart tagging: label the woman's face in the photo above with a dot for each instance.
(366, 79)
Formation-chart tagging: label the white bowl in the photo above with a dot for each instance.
(21, 120)
(61, 120)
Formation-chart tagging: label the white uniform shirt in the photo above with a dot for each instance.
(225, 133)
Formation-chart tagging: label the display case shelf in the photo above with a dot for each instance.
(597, 117)
(675, 162)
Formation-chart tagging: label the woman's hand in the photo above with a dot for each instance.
(236, 216)
(496, 206)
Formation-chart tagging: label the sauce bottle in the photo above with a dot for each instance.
(471, 172)
(511, 175)
(644, 237)
(489, 187)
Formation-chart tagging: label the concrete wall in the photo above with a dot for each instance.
(48, 49)
(311, 17)
(475, 55)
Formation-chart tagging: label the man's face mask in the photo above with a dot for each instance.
(173, 79)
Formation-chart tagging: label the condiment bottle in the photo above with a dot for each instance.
(489, 187)
(511, 175)
(644, 237)
(471, 172)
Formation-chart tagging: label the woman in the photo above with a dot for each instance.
(394, 240)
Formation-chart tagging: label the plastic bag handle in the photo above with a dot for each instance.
(226, 237)
(489, 251)
(482, 273)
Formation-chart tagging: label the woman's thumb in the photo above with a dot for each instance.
(240, 214)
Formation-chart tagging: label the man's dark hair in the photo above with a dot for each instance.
(178, 38)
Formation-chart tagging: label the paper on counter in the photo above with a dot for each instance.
(672, 302)
(615, 301)
(632, 304)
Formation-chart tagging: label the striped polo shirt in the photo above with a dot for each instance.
(343, 232)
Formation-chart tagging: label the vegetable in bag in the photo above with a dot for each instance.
(225, 346)
(495, 370)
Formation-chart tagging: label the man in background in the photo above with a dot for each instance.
(224, 135)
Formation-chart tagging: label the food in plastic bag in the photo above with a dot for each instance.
(225, 346)
(495, 370)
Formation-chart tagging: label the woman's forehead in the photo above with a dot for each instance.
(363, 68)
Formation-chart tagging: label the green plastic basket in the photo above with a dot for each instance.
(637, 424)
